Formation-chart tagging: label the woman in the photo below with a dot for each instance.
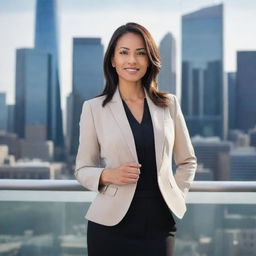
(127, 137)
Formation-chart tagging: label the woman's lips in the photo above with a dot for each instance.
(132, 71)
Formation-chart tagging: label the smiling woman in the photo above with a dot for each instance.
(135, 129)
(132, 47)
(130, 63)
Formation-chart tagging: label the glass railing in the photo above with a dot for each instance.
(46, 217)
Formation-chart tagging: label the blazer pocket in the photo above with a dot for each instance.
(110, 190)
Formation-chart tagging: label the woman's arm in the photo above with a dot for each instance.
(184, 154)
(87, 170)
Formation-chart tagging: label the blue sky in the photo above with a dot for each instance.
(83, 5)
(101, 17)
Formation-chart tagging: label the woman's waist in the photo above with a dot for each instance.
(147, 193)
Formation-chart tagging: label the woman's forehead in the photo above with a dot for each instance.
(130, 40)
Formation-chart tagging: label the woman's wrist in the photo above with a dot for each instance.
(104, 178)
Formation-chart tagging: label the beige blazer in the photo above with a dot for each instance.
(106, 141)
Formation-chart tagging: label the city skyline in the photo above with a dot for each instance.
(73, 20)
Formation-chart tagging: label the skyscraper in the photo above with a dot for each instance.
(243, 164)
(167, 75)
(252, 134)
(10, 122)
(213, 153)
(203, 92)
(231, 81)
(69, 121)
(246, 90)
(31, 94)
(87, 79)
(33, 72)
(46, 39)
(4, 112)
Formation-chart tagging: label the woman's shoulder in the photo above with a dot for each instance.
(172, 98)
(173, 104)
(95, 102)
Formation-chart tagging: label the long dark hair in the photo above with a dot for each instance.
(149, 81)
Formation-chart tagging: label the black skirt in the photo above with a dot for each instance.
(148, 228)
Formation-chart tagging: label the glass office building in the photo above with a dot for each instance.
(167, 75)
(87, 79)
(46, 39)
(32, 83)
(246, 90)
(231, 82)
(203, 94)
(4, 112)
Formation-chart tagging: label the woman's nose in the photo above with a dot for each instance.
(132, 58)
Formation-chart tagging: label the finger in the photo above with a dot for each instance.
(133, 173)
(134, 165)
(130, 180)
(132, 176)
(134, 170)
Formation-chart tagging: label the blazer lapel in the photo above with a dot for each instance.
(122, 122)
(157, 116)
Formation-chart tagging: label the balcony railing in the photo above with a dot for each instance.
(46, 217)
(73, 185)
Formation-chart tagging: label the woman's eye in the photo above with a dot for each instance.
(123, 52)
(141, 53)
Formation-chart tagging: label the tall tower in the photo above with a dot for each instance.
(4, 112)
(31, 93)
(246, 90)
(232, 104)
(204, 98)
(88, 79)
(167, 75)
(46, 39)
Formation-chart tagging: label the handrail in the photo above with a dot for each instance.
(223, 186)
(31, 184)
(73, 185)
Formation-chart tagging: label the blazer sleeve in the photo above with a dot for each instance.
(184, 155)
(87, 170)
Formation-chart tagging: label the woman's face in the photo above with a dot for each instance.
(130, 58)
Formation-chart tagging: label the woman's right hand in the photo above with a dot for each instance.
(126, 173)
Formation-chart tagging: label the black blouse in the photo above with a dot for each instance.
(143, 134)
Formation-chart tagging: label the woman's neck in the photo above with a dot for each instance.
(131, 91)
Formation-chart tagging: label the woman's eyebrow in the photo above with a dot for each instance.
(129, 49)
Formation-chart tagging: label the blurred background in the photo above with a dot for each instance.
(51, 58)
